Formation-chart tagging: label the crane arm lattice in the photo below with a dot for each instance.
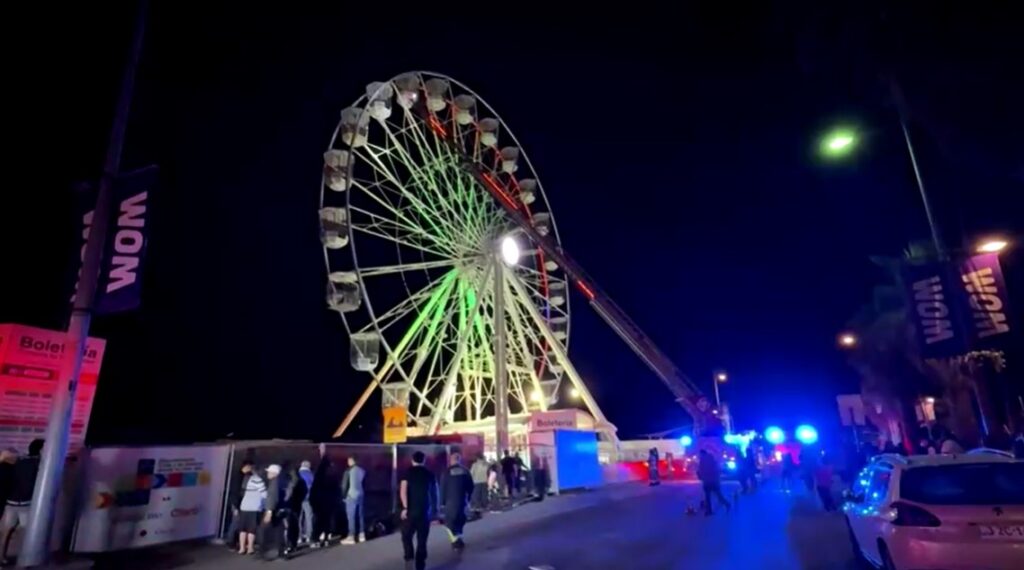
(686, 393)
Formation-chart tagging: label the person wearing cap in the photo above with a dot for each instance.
(306, 517)
(272, 527)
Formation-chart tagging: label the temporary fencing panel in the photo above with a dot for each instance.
(141, 496)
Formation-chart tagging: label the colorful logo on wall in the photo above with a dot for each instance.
(136, 490)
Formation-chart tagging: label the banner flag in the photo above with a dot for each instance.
(957, 306)
(120, 283)
(933, 310)
(983, 299)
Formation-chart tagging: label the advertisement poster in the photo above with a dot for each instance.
(135, 497)
(32, 361)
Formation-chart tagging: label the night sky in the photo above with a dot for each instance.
(676, 148)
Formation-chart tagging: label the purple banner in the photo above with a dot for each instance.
(983, 299)
(120, 285)
(957, 306)
(933, 310)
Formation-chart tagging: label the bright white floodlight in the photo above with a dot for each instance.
(509, 250)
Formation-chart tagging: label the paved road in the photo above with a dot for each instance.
(626, 526)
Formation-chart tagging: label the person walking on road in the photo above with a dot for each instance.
(306, 516)
(352, 491)
(479, 471)
(250, 505)
(418, 496)
(823, 482)
(19, 500)
(710, 475)
(508, 471)
(458, 486)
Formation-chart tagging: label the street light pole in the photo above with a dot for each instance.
(35, 547)
(500, 364)
(897, 95)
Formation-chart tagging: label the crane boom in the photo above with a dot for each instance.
(686, 393)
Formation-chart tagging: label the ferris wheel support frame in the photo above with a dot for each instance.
(448, 391)
(563, 358)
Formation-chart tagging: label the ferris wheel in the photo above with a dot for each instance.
(447, 304)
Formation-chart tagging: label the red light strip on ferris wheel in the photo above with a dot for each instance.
(585, 289)
(493, 184)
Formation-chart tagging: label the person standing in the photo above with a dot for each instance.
(236, 491)
(479, 471)
(295, 494)
(272, 525)
(306, 516)
(520, 469)
(324, 497)
(418, 496)
(823, 482)
(653, 477)
(19, 500)
(352, 491)
(250, 505)
(710, 475)
(508, 470)
(8, 458)
(458, 486)
(540, 478)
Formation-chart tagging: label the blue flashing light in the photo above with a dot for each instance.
(731, 465)
(775, 435)
(806, 434)
(686, 441)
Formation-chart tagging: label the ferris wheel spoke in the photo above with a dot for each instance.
(396, 313)
(369, 157)
(434, 192)
(447, 391)
(408, 233)
(406, 243)
(392, 269)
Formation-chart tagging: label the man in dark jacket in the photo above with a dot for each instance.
(710, 474)
(8, 457)
(458, 488)
(235, 491)
(324, 498)
(418, 496)
(272, 527)
(295, 492)
(19, 501)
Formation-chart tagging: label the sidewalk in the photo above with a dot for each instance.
(379, 554)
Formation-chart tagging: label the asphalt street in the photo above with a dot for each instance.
(619, 527)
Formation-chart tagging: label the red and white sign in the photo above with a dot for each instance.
(32, 362)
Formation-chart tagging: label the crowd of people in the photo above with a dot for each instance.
(17, 481)
(276, 509)
(279, 508)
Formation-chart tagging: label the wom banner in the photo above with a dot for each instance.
(985, 302)
(120, 284)
(957, 306)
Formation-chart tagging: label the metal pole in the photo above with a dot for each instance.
(940, 247)
(35, 547)
(714, 380)
(500, 364)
